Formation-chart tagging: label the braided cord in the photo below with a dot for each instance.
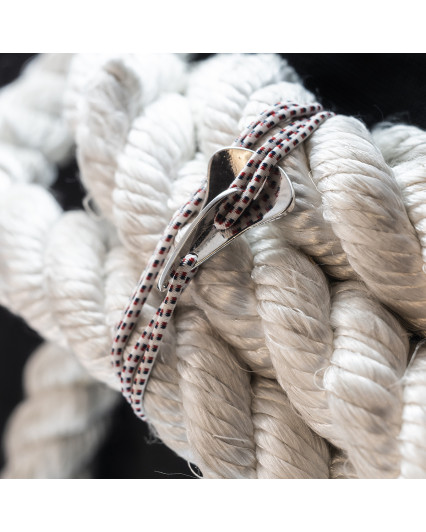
(141, 358)
(260, 185)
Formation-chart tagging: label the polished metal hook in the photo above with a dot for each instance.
(202, 239)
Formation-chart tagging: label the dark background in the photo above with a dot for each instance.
(372, 87)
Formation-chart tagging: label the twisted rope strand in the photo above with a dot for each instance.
(306, 228)
(59, 426)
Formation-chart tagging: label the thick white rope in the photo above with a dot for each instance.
(121, 91)
(404, 149)
(195, 163)
(31, 109)
(240, 426)
(351, 218)
(82, 324)
(364, 205)
(367, 448)
(58, 428)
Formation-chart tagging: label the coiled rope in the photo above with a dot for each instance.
(284, 342)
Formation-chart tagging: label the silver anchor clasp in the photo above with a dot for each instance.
(203, 239)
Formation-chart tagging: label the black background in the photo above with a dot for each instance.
(372, 87)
